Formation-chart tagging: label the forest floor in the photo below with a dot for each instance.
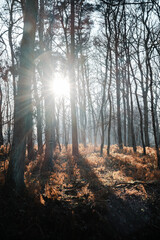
(91, 197)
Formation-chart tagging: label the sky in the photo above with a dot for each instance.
(1, 2)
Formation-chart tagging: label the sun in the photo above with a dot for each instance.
(60, 86)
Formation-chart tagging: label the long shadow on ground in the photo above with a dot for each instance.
(22, 217)
(108, 217)
(127, 168)
(131, 216)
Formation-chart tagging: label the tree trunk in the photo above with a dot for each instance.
(16, 165)
(109, 124)
(102, 132)
(30, 130)
(146, 119)
(140, 113)
(8, 115)
(39, 119)
(65, 142)
(145, 102)
(50, 125)
(128, 116)
(118, 97)
(132, 123)
(10, 29)
(124, 121)
(49, 132)
(1, 134)
(153, 113)
(75, 150)
(110, 102)
(84, 122)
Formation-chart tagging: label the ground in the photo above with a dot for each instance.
(89, 197)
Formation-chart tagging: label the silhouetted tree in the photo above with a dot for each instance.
(17, 159)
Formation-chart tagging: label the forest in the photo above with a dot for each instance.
(80, 119)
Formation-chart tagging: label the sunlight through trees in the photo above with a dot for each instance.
(77, 72)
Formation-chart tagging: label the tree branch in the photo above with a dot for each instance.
(124, 3)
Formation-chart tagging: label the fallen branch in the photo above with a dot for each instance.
(123, 184)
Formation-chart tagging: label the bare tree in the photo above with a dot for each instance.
(1, 134)
(72, 85)
(17, 159)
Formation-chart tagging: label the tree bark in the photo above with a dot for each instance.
(75, 150)
(65, 142)
(39, 119)
(118, 97)
(132, 123)
(109, 124)
(153, 113)
(1, 134)
(50, 125)
(140, 113)
(30, 144)
(17, 160)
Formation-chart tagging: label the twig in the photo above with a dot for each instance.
(119, 185)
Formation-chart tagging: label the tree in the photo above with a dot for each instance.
(17, 158)
(72, 86)
(1, 134)
(116, 45)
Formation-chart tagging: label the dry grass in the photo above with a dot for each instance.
(89, 176)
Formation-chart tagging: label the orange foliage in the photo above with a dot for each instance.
(89, 176)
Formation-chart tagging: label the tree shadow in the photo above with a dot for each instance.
(108, 216)
(24, 217)
(127, 168)
(125, 215)
(94, 184)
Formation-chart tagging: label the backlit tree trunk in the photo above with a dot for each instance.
(30, 144)
(140, 112)
(73, 87)
(50, 125)
(16, 164)
(118, 97)
(1, 135)
(39, 118)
